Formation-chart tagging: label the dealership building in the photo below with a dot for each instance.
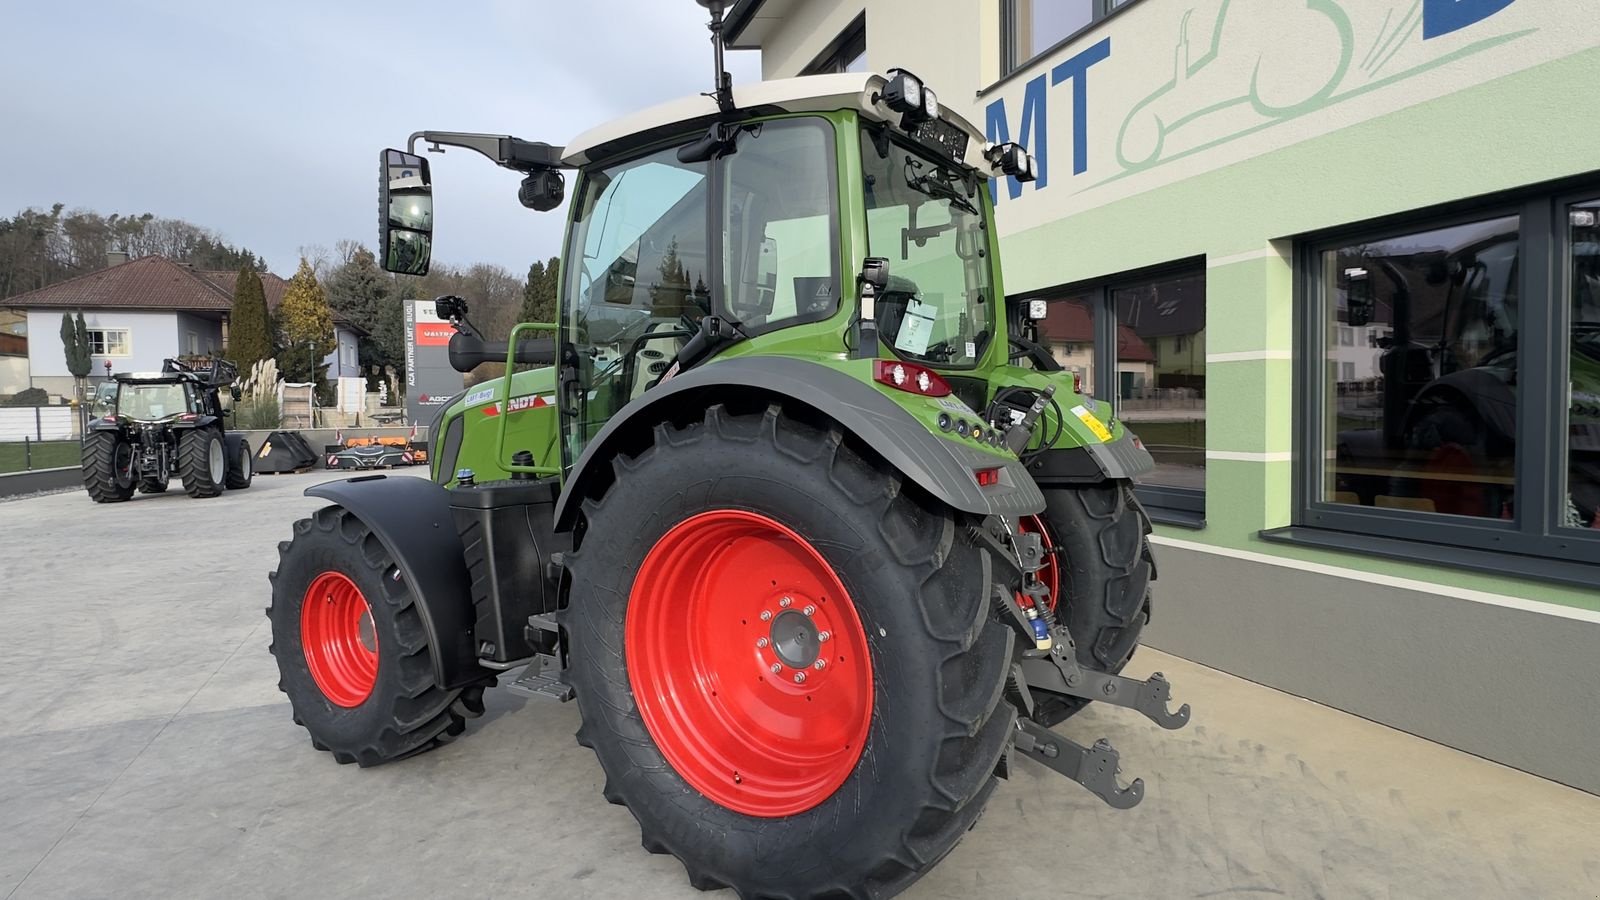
(1338, 264)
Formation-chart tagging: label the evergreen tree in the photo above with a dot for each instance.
(540, 293)
(75, 340)
(306, 325)
(365, 295)
(249, 327)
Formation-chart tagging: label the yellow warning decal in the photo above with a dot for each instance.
(1095, 425)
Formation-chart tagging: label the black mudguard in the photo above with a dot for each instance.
(940, 466)
(411, 516)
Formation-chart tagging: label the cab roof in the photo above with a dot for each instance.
(811, 93)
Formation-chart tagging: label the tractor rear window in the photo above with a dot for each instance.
(926, 218)
(149, 402)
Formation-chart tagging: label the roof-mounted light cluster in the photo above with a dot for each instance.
(1011, 159)
(907, 95)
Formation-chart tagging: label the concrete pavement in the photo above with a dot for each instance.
(146, 752)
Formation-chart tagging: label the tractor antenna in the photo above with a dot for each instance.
(724, 90)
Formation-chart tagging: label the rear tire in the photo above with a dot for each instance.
(352, 652)
(240, 465)
(1104, 569)
(929, 688)
(108, 467)
(202, 461)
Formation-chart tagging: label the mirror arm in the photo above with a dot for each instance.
(501, 149)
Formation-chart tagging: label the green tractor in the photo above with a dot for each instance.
(818, 537)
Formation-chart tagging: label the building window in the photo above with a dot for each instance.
(194, 344)
(1434, 425)
(109, 342)
(1031, 28)
(847, 52)
(1140, 342)
(1582, 448)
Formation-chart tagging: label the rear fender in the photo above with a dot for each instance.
(941, 466)
(411, 517)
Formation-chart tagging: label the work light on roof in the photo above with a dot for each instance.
(907, 95)
(1011, 159)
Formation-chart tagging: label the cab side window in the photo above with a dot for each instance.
(779, 225)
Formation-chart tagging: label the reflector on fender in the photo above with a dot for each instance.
(910, 377)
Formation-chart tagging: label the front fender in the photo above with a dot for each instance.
(941, 466)
(411, 517)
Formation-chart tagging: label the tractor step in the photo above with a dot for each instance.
(1093, 767)
(542, 678)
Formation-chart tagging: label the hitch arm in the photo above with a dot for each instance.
(1093, 767)
(1059, 672)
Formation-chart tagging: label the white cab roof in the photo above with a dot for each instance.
(812, 93)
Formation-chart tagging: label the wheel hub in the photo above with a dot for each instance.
(339, 639)
(749, 663)
(794, 640)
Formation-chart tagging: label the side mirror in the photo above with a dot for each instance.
(405, 212)
(1361, 299)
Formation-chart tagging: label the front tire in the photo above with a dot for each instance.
(848, 780)
(202, 462)
(352, 652)
(240, 465)
(108, 467)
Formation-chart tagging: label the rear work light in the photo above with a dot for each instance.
(910, 377)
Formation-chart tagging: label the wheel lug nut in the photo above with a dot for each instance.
(776, 668)
(799, 678)
(824, 635)
(820, 664)
(761, 643)
(766, 615)
(810, 610)
(786, 602)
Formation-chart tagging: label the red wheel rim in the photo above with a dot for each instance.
(720, 601)
(340, 644)
(1050, 573)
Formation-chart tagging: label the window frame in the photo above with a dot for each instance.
(127, 342)
(832, 60)
(1011, 60)
(1166, 504)
(1535, 530)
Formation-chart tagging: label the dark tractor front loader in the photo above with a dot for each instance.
(791, 503)
(154, 425)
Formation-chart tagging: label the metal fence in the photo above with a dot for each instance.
(38, 423)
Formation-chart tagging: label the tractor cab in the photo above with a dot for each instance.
(831, 218)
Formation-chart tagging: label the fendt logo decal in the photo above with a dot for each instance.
(518, 404)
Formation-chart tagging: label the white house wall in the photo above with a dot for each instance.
(153, 336)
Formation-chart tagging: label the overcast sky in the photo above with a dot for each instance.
(263, 121)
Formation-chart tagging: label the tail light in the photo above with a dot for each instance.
(987, 477)
(910, 377)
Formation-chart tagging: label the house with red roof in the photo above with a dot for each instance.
(1067, 331)
(147, 310)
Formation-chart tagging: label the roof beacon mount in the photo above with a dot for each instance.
(723, 93)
